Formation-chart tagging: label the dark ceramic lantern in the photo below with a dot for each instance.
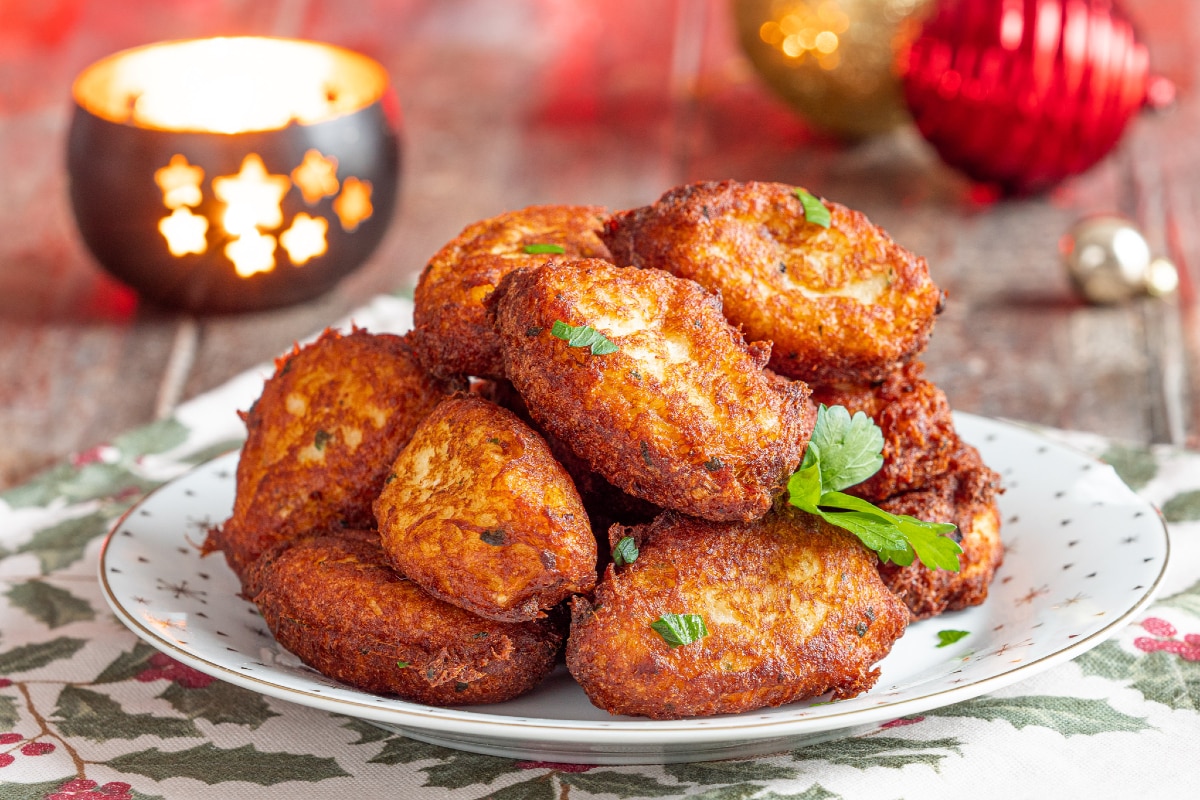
(233, 174)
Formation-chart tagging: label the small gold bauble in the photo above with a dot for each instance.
(832, 60)
(1109, 261)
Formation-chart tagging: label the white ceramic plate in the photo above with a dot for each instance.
(1085, 555)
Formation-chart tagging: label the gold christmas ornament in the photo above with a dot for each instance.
(1109, 261)
(833, 60)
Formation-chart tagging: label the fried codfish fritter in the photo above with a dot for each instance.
(321, 438)
(334, 602)
(839, 303)
(477, 512)
(681, 414)
(454, 335)
(794, 608)
(606, 504)
(966, 496)
(915, 418)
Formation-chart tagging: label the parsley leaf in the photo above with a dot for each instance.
(814, 210)
(539, 248)
(583, 336)
(843, 452)
(680, 629)
(626, 551)
(946, 638)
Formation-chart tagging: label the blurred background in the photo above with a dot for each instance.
(610, 102)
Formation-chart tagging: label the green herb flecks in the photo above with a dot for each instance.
(626, 551)
(321, 439)
(540, 248)
(680, 629)
(583, 336)
(495, 537)
(814, 210)
(946, 638)
(402, 665)
(842, 452)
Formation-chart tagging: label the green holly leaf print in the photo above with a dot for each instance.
(157, 437)
(1168, 679)
(77, 485)
(50, 605)
(814, 792)
(1183, 507)
(210, 764)
(710, 772)
(460, 769)
(367, 732)
(1134, 465)
(1070, 716)
(622, 784)
(63, 544)
(1108, 660)
(8, 713)
(219, 702)
(34, 656)
(742, 792)
(880, 751)
(1160, 676)
(127, 665)
(94, 716)
(33, 791)
(539, 788)
(1188, 600)
(402, 750)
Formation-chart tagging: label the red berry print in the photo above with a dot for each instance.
(1159, 627)
(1187, 648)
(163, 667)
(5, 683)
(9, 738)
(900, 723)
(37, 749)
(83, 789)
(5, 759)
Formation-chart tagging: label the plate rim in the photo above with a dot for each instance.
(516, 730)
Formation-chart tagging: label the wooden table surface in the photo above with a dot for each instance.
(589, 101)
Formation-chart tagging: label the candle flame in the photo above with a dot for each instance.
(230, 85)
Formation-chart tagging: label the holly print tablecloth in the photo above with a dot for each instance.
(89, 711)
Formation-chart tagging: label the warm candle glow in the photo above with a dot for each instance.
(316, 176)
(230, 85)
(184, 232)
(353, 205)
(305, 239)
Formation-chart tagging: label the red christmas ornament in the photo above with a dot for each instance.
(1023, 93)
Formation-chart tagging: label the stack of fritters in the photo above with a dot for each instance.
(849, 311)
(649, 380)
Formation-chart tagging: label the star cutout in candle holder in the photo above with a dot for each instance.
(253, 197)
(184, 232)
(179, 182)
(353, 205)
(305, 239)
(316, 176)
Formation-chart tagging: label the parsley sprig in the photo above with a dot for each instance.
(814, 210)
(539, 248)
(583, 336)
(845, 450)
(680, 629)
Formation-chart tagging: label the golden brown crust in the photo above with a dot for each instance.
(965, 495)
(682, 414)
(454, 334)
(794, 608)
(477, 512)
(321, 438)
(917, 425)
(838, 303)
(335, 603)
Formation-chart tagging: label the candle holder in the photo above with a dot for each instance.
(233, 174)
